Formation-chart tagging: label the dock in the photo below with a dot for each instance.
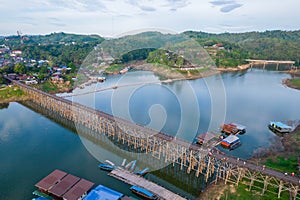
(133, 179)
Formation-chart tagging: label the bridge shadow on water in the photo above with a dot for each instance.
(170, 175)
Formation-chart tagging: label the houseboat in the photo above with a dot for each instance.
(231, 142)
(233, 128)
(279, 127)
(205, 138)
(106, 167)
(142, 192)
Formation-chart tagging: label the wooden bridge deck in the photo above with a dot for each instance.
(133, 179)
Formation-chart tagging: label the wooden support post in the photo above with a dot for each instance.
(198, 166)
(280, 189)
(266, 182)
(227, 176)
(277, 66)
(207, 168)
(295, 192)
(190, 162)
(251, 182)
(240, 171)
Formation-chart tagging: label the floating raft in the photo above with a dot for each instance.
(133, 179)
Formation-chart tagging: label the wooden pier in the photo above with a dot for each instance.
(133, 179)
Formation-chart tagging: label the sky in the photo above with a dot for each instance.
(113, 18)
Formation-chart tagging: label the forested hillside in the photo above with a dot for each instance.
(57, 48)
(273, 45)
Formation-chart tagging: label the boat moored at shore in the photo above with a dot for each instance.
(106, 167)
(279, 127)
(143, 192)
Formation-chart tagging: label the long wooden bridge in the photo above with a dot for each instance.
(210, 163)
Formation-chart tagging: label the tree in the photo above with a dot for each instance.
(5, 69)
(72, 66)
(20, 68)
(2, 80)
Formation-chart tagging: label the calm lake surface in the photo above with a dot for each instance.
(32, 146)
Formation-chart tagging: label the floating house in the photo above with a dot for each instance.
(102, 193)
(60, 185)
(231, 142)
(204, 138)
(233, 128)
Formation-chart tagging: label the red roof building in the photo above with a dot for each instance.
(60, 185)
(79, 190)
(49, 181)
(64, 185)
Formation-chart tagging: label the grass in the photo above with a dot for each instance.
(48, 87)
(242, 193)
(288, 164)
(286, 161)
(10, 92)
(114, 68)
(295, 82)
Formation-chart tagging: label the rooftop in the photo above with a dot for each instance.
(62, 187)
(103, 193)
(78, 190)
(49, 181)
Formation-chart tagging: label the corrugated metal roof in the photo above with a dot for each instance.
(103, 193)
(50, 180)
(231, 139)
(78, 190)
(62, 187)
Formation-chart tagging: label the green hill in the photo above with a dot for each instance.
(269, 45)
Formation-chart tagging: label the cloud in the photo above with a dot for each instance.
(222, 2)
(230, 8)
(226, 5)
(141, 5)
(177, 4)
(56, 22)
(147, 8)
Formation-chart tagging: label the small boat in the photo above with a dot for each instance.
(143, 171)
(231, 142)
(279, 127)
(106, 167)
(142, 192)
(101, 78)
(233, 128)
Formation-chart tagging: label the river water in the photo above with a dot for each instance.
(31, 145)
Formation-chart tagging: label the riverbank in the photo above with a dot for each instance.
(284, 160)
(11, 94)
(292, 83)
(233, 69)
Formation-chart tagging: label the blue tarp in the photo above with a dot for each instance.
(146, 192)
(103, 193)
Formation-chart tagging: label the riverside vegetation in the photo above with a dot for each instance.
(227, 50)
